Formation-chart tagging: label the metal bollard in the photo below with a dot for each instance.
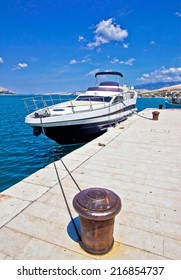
(97, 208)
(155, 115)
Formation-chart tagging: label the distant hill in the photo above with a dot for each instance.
(158, 85)
(5, 91)
(172, 88)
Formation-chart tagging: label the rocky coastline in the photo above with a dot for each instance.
(5, 91)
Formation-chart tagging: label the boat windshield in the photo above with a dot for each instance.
(94, 98)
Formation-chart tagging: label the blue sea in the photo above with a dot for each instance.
(21, 153)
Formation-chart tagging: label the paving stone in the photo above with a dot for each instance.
(10, 207)
(13, 242)
(26, 191)
(172, 248)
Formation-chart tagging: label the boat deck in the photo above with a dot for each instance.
(140, 160)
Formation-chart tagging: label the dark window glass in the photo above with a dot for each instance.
(94, 98)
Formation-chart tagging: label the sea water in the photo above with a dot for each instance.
(21, 153)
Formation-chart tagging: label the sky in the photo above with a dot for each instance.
(59, 45)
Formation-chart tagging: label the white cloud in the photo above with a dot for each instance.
(106, 31)
(20, 66)
(93, 72)
(178, 14)
(127, 62)
(115, 60)
(85, 60)
(81, 39)
(73, 61)
(152, 43)
(162, 75)
(125, 46)
(1, 60)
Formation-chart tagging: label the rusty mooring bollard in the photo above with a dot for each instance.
(155, 115)
(97, 208)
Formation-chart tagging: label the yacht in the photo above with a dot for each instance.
(175, 102)
(88, 115)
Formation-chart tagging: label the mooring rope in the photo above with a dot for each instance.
(142, 116)
(73, 179)
(60, 183)
(66, 202)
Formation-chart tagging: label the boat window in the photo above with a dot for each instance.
(117, 99)
(132, 94)
(94, 98)
(109, 84)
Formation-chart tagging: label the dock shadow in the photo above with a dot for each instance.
(71, 229)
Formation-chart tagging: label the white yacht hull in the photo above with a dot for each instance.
(80, 127)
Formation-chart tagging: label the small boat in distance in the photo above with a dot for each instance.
(87, 116)
(175, 101)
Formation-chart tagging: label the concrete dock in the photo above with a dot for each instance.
(140, 160)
